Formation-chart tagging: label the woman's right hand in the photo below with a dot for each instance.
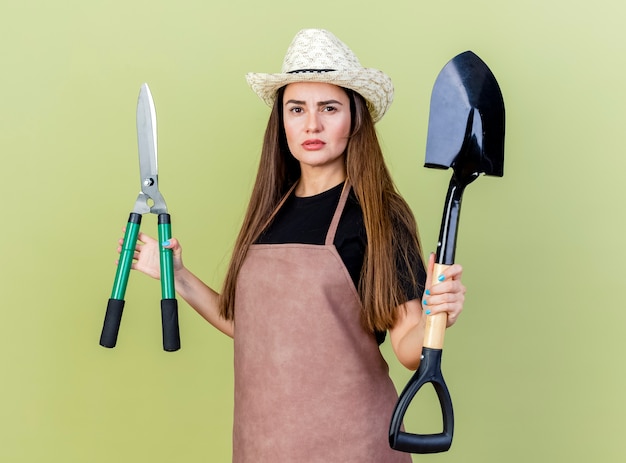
(197, 294)
(146, 257)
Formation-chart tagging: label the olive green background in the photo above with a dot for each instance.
(535, 364)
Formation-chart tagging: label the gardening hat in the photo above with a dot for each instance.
(316, 55)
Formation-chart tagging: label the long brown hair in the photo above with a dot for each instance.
(392, 235)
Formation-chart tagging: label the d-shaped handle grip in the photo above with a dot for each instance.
(429, 371)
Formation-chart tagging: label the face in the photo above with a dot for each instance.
(317, 125)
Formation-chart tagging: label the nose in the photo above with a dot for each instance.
(313, 122)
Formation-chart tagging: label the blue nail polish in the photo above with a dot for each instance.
(428, 312)
(427, 292)
(441, 277)
(166, 243)
(425, 302)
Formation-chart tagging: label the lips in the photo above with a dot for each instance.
(313, 145)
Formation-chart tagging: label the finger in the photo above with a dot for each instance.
(171, 243)
(453, 272)
(446, 299)
(447, 286)
(452, 312)
(174, 245)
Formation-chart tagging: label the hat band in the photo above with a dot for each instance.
(301, 71)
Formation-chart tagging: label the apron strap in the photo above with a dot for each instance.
(332, 230)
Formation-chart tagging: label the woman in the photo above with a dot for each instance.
(327, 260)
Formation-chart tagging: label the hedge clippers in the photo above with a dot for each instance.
(151, 201)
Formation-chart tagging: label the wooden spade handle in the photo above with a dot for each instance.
(436, 324)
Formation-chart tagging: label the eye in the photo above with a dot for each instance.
(329, 109)
(296, 110)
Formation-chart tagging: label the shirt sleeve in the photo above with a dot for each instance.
(411, 274)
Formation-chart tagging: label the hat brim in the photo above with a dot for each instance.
(373, 85)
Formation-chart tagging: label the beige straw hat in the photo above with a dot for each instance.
(316, 55)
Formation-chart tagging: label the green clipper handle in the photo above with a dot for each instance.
(115, 307)
(169, 304)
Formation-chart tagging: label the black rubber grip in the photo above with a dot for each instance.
(112, 320)
(422, 444)
(169, 319)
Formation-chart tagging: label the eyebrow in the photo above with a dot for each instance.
(320, 103)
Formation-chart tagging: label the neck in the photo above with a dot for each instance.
(311, 183)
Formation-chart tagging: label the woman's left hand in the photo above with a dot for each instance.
(446, 294)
